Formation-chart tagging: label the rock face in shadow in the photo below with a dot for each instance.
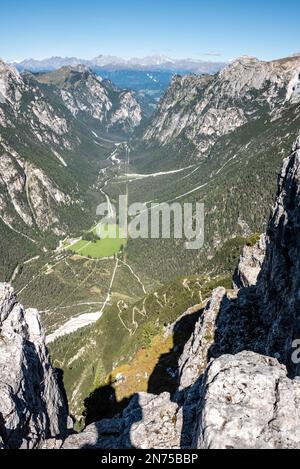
(279, 283)
(32, 407)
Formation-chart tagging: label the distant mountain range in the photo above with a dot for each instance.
(108, 62)
(149, 75)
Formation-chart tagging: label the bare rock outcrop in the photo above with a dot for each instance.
(201, 109)
(32, 407)
(194, 358)
(148, 422)
(250, 264)
(247, 401)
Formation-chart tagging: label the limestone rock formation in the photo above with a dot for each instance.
(279, 284)
(238, 384)
(198, 110)
(247, 401)
(32, 407)
(250, 264)
(148, 422)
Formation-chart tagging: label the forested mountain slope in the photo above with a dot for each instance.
(55, 133)
(228, 134)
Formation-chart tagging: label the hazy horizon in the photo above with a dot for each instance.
(119, 56)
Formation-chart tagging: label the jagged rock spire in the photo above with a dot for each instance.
(31, 404)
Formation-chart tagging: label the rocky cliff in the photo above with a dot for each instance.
(29, 194)
(196, 111)
(32, 406)
(59, 117)
(89, 96)
(238, 384)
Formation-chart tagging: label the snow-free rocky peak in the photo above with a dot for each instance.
(84, 92)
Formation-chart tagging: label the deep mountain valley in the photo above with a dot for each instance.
(113, 314)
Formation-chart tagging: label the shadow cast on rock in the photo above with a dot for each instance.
(164, 377)
(113, 429)
(102, 404)
(114, 419)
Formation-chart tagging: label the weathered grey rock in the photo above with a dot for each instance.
(148, 422)
(35, 121)
(84, 92)
(279, 284)
(194, 358)
(31, 404)
(243, 401)
(250, 264)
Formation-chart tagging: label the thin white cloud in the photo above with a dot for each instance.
(212, 53)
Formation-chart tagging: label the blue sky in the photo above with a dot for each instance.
(213, 29)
